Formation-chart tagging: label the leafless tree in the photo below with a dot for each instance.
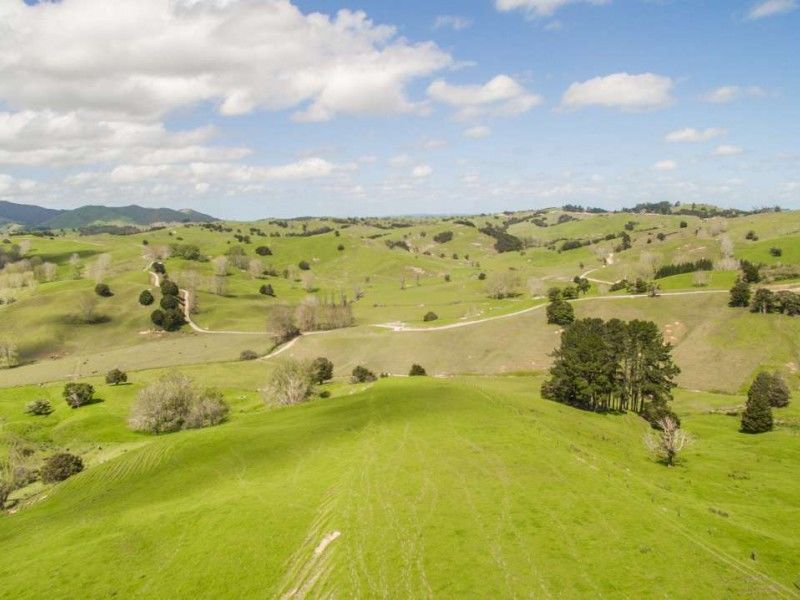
(220, 265)
(668, 441)
(502, 285)
(76, 267)
(87, 307)
(291, 383)
(701, 278)
(255, 267)
(9, 355)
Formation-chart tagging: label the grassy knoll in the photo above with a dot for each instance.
(470, 487)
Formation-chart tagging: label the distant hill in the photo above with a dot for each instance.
(37, 216)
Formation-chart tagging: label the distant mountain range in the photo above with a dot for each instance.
(40, 217)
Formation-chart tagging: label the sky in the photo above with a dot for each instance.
(269, 108)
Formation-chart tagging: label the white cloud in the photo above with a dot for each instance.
(727, 150)
(771, 8)
(620, 90)
(454, 22)
(729, 93)
(433, 143)
(540, 8)
(690, 134)
(147, 57)
(500, 96)
(401, 160)
(478, 132)
(665, 165)
(422, 171)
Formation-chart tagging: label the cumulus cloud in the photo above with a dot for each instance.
(55, 139)
(729, 93)
(665, 165)
(540, 8)
(771, 8)
(453, 22)
(620, 90)
(690, 134)
(727, 150)
(147, 57)
(422, 171)
(478, 132)
(500, 96)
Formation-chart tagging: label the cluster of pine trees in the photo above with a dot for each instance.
(613, 366)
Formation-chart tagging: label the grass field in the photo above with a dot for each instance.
(462, 487)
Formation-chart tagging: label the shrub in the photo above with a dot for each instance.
(417, 371)
(158, 267)
(291, 382)
(751, 235)
(264, 251)
(362, 374)
(430, 316)
(443, 237)
(169, 288)
(322, 370)
(40, 407)
(481, 276)
(757, 415)
(60, 466)
(146, 298)
(116, 376)
(174, 403)
(340, 247)
(325, 394)
(776, 252)
(78, 394)
(102, 289)
(303, 265)
(173, 320)
(266, 290)
(169, 302)
(248, 355)
(560, 313)
(684, 225)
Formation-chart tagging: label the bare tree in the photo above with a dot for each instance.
(99, 268)
(46, 272)
(281, 324)
(220, 265)
(87, 308)
(255, 267)
(219, 285)
(291, 383)
(726, 246)
(76, 267)
(9, 355)
(701, 278)
(668, 441)
(308, 281)
(502, 285)
(535, 287)
(24, 247)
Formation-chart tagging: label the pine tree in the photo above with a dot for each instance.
(757, 415)
(778, 391)
(740, 294)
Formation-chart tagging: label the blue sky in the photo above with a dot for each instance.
(253, 108)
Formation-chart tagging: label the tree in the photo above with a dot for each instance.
(560, 312)
(173, 320)
(116, 376)
(266, 290)
(503, 285)
(280, 323)
(582, 284)
(169, 302)
(87, 309)
(362, 374)
(417, 371)
(740, 293)
(169, 288)
(778, 391)
(668, 441)
(757, 415)
(9, 355)
(78, 394)
(157, 317)
(173, 403)
(102, 289)
(264, 251)
(146, 298)
(764, 301)
(220, 265)
(291, 382)
(751, 272)
(322, 370)
(430, 316)
(303, 265)
(61, 466)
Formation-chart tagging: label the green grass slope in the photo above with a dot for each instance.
(457, 488)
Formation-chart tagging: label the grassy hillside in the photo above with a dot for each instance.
(467, 487)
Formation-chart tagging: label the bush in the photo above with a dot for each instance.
(40, 407)
(157, 317)
(266, 290)
(264, 251)
(174, 403)
(173, 320)
(169, 302)
(116, 376)
(325, 394)
(146, 298)
(481, 276)
(430, 316)
(751, 235)
(303, 265)
(322, 370)
(101, 289)
(60, 466)
(362, 374)
(248, 355)
(776, 252)
(340, 247)
(78, 394)
(443, 237)
(560, 313)
(158, 267)
(169, 288)
(684, 225)
(416, 371)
